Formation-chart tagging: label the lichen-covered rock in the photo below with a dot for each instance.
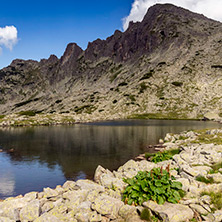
(107, 206)
(48, 192)
(199, 209)
(170, 212)
(217, 177)
(112, 182)
(95, 217)
(69, 185)
(6, 219)
(218, 215)
(31, 196)
(47, 206)
(127, 211)
(46, 217)
(11, 207)
(89, 185)
(99, 171)
(31, 211)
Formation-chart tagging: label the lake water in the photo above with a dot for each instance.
(48, 156)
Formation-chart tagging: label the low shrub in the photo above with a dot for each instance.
(216, 199)
(177, 83)
(205, 180)
(157, 185)
(162, 155)
(27, 113)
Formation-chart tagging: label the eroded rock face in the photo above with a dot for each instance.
(172, 57)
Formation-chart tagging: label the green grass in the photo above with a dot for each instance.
(27, 113)
(2, 116)
(162, 155)
(215, 168)
(205, 180)
(178, 84)
(167, 116)
(216, 198)
(148, 75)
(203, 137)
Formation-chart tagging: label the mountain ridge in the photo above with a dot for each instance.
(169, 63)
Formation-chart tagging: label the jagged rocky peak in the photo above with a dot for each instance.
(72, 52)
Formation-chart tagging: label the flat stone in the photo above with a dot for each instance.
(217, 177)
(170, 212)
(47, 206)
(126, 210)
(198, 208)
(76, 194)
(131, 164)
(31, 195)
(218, 215)
(107, 206)
(89, 185)
(112, 182)
(31, 211)
(48, 192)
(95, 217)
(46, 217)
(99, 171)
(11, 207)
(6, 219)
(69, 184)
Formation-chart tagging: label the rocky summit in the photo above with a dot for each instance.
(168, 64)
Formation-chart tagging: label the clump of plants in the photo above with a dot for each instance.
(215, 168)
(28, 113)
(216, 199)
(178, 84)
(157, 185)
(147, 216)
(162, 155)
(205, 180)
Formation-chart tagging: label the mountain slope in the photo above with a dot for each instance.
(170, 63)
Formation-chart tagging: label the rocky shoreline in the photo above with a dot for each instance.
(101, 199)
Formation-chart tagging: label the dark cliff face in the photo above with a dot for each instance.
(167, 33)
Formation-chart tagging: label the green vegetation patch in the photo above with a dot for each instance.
(215, 168)
(206, 138)
(123, 84)
(205, 180)
(29, 113)
(216, 199)
(26, 102)
(2, 116)
(143, 87)
(157, 185)
(167, 116)
(148, 75)
(147, 216)
(162, 155)
(178, 84)
(86, 108)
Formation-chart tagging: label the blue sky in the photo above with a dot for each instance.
(46, 27)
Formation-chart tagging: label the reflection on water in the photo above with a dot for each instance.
(46, 156)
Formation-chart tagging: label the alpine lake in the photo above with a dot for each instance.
(36, 157)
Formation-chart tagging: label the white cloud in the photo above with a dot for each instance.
(210, 8)
(8, 37)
